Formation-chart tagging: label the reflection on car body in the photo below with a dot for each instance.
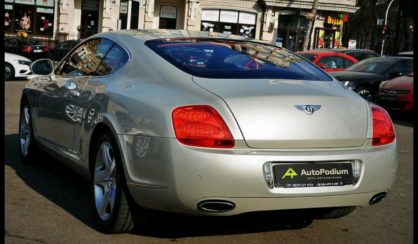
(206, 124)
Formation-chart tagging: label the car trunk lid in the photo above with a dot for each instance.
(270, 113)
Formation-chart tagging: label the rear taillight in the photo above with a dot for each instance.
(26, 49)
(202, 126)
(45, 49)
(383, 132)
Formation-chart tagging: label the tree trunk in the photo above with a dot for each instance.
(310, 24)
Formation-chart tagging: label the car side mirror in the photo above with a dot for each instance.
(321, 65)
(42, 67)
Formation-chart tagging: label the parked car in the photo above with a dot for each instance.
(62, 49)
(358, 54)
(366, 76)
(28, 47)
(397, 94)
(16, 66)
(176, 121)
(330, 61)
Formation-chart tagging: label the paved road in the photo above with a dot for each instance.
(47, 203)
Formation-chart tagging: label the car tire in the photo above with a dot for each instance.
(29, 150)
(9, 72)
(108, 187)
(365, 93)
(333, 213)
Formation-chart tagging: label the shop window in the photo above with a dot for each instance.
(30, 18)
(228, 28)
(246, 24)
(44, 21)
(89, 23)
(229, 22)
(291, 31)
(8, 17)
(324, 38)
(210, 26)
(23, 20)
(123, 15)
(168, 17)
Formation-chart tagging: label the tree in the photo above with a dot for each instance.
(311, 19)
(363, 25)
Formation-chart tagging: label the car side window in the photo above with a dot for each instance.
(85, 59)
(340, 62)
(346, 63)
(113, 60)
(328, 61)
(404, 67)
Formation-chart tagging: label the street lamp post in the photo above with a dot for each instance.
(385, 27)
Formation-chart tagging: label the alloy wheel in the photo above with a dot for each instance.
(25, 130)
(105, 184)
(7, 72)
(366, 94)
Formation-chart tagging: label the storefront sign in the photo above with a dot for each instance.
(352, 44)
(210, 15)
(45, 10)
(334, 21)
(45, 3)
(229, 16)
(169, 12)
(29, 2)
(8, 7)
(123, 8)
(247, 18)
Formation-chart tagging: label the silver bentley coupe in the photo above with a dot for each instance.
(205, 123)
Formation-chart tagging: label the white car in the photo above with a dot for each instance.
(16, 66)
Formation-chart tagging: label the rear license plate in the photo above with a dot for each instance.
(37, 51)
(312, 174)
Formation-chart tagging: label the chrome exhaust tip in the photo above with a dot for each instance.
(377, 198)
(215, 206)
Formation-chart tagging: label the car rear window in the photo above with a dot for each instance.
(228, 59)
(372, 65)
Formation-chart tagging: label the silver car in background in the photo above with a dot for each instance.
(205, 124)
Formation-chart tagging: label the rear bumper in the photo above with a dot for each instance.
(248, 204)
(166, 175)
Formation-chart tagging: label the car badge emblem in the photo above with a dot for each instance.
(309, 109)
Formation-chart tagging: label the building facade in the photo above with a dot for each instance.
(279, 22)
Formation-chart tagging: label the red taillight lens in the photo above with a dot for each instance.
(383, 132)
(26, 49)
(45, 49)
(202, 126)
